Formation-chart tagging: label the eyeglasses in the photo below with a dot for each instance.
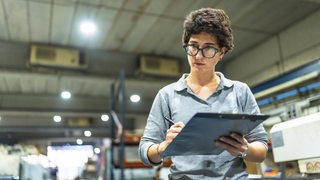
(207, 52)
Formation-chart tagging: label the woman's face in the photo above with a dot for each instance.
(199, 63)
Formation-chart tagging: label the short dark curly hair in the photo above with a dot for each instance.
(213, 21)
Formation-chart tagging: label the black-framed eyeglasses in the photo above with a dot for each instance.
(207, 52)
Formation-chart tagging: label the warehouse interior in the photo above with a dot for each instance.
(134, 48)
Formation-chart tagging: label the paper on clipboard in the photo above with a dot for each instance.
(197, 137)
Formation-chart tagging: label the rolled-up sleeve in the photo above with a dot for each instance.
(250, 106)
(155, 128)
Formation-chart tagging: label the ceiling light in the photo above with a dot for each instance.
(97, 150)
(88, 27)
(104, 117)
(87, 133)
(65, 94)
(79, 141)
(135, 98)
(57, 118)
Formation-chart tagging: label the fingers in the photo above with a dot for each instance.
(235, 144)
(231, 149)
(235, 140)
(238, 137)
(178, 124)
(174, 131)
(176, 128)
(230, 141)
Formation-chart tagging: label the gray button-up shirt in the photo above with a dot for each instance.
(178, 102)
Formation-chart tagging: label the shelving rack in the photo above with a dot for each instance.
(117, 98)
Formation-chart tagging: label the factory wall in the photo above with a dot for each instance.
(295, 46)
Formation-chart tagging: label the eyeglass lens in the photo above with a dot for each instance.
(207, 52)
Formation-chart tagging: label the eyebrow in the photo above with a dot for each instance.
(195, 42)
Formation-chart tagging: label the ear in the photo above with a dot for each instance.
(222, 52)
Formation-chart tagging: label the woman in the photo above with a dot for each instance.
(207, 37)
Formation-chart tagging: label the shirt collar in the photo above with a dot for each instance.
(182, 85)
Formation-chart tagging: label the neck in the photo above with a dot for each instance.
(203, 79)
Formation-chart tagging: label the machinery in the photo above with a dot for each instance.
(298, 139)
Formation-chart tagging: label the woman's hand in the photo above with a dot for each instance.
(172, 132)
(156, 150)
(235, 144)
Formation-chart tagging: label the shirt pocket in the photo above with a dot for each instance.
(225, 103)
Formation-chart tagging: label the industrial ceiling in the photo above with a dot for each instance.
(125, 29)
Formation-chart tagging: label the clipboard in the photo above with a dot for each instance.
(198, 135)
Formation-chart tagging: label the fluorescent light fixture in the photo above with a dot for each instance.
(65, 94)
(134, 98)
(79, 141)
(97, 150)
(87, 133)
(88, 27)
(104, 117)
(57, 118)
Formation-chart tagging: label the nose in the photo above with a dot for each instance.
(199, 55)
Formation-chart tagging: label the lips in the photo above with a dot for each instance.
(199, 64)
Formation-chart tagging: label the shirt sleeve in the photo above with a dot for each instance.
(250, 106)
(155, 128)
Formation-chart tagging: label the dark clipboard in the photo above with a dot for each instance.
(198, 135)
